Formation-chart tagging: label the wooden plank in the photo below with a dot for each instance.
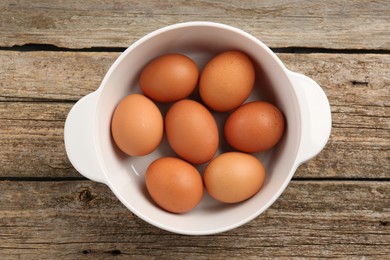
(51, 75)
(70, 220)
(32, 140)
(348, 79)
(31, 137)
(332, 24)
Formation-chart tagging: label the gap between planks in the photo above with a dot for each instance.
(30, 47)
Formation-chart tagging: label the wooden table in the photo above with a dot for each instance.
(54, 52)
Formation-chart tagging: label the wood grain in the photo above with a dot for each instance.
(49, 76)
(348, 79)
(32, 140)
(69, 220)
(31, 137)
(337, 205)
(359, 95)
(31, 133)
(331, 24)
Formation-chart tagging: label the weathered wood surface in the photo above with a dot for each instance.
(315, 219)
(358, 88)
(338, 204)
(348, 79)
(81, 24)
(31, 137)
(51, 76)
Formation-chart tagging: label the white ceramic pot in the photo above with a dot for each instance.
(92, 152)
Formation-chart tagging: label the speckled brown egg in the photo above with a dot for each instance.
(254, 127)
(227, 81)
(137, 125)
(169, 77)
(234, 177)
(174, 184)
(191, 131)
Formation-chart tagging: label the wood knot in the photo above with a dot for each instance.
(116, 252)
(86, 197)
(357, 83)
(112, 252)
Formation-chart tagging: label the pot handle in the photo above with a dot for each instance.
(316, 116)
(78, 138)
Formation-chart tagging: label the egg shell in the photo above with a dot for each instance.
(254, 127)
(191, 131)
(174, 184)
(227, 81)
(169, 77)
(137, 125)
(234, 177)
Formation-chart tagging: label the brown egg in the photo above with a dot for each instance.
(137, 125)
(169, 77)
(234, 177)
(227, 81)
(174, 184)
(254, 127)
(191, 131)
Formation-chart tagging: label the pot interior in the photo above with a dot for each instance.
(201, 42)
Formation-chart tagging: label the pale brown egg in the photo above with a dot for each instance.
(169, 77)
(227, 81)
(254, 127)
(191, 131)
(174, 184)
(234, 177)
(137, 125)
